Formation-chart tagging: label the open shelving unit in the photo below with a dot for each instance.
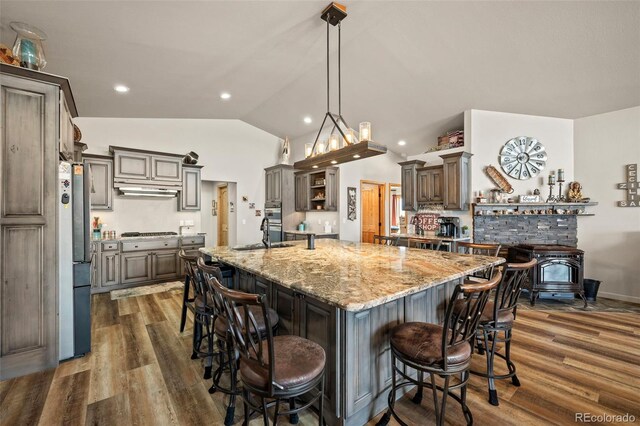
(533, 209)
(318, 186)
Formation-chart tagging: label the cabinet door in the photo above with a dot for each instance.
(246, 282)
(135, 267)
(101, 184)
(110, 269)
(302, 192)
(408, 182)
(166, 264)
(66, 131)
(263, 287)
(131, 165)
(276, 182)
(189, 198)
(268, 183)
(331, 188)
(436, 185)
(284, 303)
(168, 169)
(28, 210)
(423, 181)
(452, 185)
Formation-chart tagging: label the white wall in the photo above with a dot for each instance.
(382, 168)
(604, 144)
(230, 150)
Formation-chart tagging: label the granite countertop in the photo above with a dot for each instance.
(353, 276)
(296, 232)
(152, 237)
(431, 237)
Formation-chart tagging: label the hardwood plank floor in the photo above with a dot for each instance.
(140, 373)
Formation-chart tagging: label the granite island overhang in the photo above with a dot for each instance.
(346, 296)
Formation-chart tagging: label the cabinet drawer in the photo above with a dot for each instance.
(193, 241)
(149, 245)
(109, 246)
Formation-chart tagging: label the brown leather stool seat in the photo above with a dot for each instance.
(221, 326)
(297, 361)
(422, 343)
(504, 317)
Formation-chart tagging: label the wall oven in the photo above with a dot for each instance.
(273, 212)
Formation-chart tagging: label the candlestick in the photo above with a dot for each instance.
(551, 198)
(552, 179)
(560, 175)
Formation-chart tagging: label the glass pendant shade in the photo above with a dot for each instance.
(320, 147)
(334, 142)
(350, 136)
(308, 150)
(28, 46)
(365, 131)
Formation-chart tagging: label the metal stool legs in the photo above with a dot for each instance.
(490, 339)
(227, 359)
(185, 300)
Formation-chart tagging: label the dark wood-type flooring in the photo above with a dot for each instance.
(140, 373)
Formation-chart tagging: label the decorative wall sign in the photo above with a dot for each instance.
(631, 186)
(351, 203)
(258, 212)
(498, 179)
(523, 157)
(426, 221)
(252, 206)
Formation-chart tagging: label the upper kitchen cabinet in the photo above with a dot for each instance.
(457, 178)
(189, 197)
(101, 173)
(273, 183)
(430, 185)
(30, 144)
(66, 131)
(136, 166)
(302, 192)
(317, 190)
(409, 181)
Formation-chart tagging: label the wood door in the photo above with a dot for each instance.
(223, 216)
(28, 221)
(370, 203)
(101, 184)
(110, 269)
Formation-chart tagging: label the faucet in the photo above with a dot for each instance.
(266, 240)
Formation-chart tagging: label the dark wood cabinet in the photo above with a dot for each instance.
(409, 182)
(317, 190)
(429, 184)
(101, 178)
(273, 184)
(189, 198)
(457, 180)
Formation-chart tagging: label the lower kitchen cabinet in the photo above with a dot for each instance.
(283, 302)
(165, 265)
(109, 268)
(135, 267)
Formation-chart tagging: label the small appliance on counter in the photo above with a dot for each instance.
(449, 227)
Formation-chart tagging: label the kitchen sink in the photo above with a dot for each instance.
(261, 246)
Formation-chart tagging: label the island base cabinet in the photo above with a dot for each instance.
(358, 372)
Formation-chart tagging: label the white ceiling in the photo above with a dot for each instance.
(411, 68)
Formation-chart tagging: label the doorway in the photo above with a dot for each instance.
(397, 216)
(372, 211)
(223, 215)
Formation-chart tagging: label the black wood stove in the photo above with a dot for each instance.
(560, 269)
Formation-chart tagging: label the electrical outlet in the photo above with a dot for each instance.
(244, 221)
(182, 223)
(188, 222)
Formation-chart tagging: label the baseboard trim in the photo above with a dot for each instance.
(616, 296)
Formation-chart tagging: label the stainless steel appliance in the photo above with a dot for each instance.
(74, 240)
(273, 212)
(449, 227)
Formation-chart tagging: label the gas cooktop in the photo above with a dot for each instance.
(147, 234)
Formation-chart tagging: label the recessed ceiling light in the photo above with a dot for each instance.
(402, 143)
(356, 156)
(225, 95)
(120, 88)
(307, 120)
(334, 162)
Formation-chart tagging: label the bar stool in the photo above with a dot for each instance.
(491, 250)
(227, 355)
(384, 240)
(278, 368)
(436, 350)
(425, 243)
(498, 317)
(191, 256)
(202, 313)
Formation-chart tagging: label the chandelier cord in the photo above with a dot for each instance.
(328, 87)
(339, 73)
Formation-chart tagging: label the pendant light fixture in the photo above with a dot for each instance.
(343, 145)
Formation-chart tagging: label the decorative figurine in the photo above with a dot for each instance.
(575, 191)
(285, 151)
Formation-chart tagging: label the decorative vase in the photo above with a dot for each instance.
(28, 46)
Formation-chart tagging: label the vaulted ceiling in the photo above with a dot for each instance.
(411, 68)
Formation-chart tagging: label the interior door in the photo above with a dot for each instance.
(223, 216)
(370, 211)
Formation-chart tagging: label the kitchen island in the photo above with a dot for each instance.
(346, 296)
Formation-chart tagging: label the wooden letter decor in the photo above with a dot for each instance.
(631, 186)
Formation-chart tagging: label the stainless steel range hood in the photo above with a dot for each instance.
(142, 191)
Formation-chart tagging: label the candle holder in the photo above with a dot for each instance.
(560, 194)
(551, 198)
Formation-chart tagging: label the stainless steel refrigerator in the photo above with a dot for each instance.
(74, 280)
